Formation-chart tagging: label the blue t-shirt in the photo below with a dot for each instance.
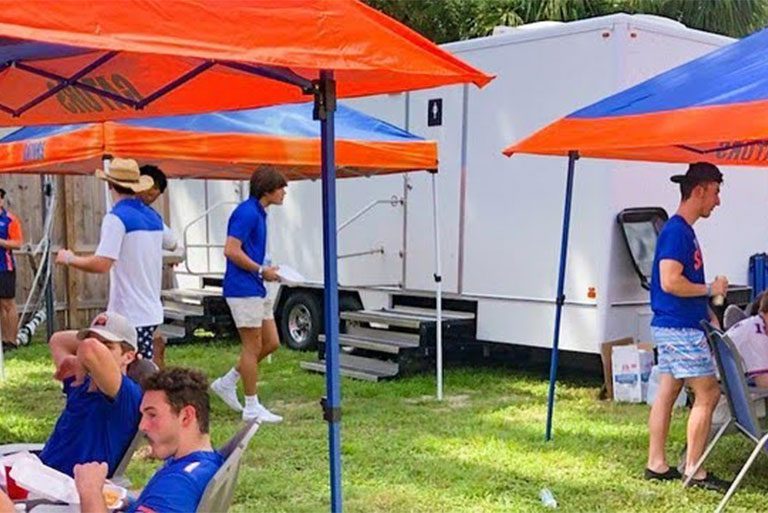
(93, 426)
(179, 484)
(677, 241)
(248, 223)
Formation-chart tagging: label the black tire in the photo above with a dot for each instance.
(301, 320)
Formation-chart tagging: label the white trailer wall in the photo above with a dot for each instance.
(501, 217)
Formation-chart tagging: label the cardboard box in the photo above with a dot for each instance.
(631, 366)
(606, 353)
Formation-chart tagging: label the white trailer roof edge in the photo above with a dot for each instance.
(646, 22)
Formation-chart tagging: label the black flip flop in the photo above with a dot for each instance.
(669, 475)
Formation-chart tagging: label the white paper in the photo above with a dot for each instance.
(44, 481)
(288, 274)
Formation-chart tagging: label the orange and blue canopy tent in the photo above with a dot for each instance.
(97, 60)
(713, 109)
(222, 145)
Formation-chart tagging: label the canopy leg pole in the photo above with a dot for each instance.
(325, 105)
(572, 157)
(438, 289)
(50, 320)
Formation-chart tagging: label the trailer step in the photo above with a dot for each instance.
(390, 342)
(358, 367)
(189, 296)
(171, 331)
(450, 315)
(400, 320)
(179, 313)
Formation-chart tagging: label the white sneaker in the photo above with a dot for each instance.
(262, 414)
(227, 394)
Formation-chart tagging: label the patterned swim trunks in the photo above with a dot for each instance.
(683, 352)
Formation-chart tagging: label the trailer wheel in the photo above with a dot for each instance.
(300, 321)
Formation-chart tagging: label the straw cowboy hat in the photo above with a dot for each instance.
(125, 173)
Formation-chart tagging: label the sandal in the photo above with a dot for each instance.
(669, 475)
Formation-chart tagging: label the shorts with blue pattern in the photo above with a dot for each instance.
(144, 336)
(683, 352)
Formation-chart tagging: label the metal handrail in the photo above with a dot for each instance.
(393, 201)
(207, 245)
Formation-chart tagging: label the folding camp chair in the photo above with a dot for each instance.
(733, 314)
(740, 403)
(217, 496)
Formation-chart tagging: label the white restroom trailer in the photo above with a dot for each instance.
(501, 218)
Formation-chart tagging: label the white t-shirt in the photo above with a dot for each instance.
(752, 343)
(134, 236)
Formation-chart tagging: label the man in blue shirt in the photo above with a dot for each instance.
(251, 307)
(175, 420)
(679, 300)
(101, 415)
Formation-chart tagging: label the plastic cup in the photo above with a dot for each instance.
(15, 492)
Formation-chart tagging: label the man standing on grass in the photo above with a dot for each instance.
(252, 309)
(130, 250)
(679, 300)
(149, 197)
(10, 239)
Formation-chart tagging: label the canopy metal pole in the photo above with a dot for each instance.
(438, 290)
(572, 157)
(325, 105)
(50, 320)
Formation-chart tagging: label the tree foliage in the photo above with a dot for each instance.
(452, 20)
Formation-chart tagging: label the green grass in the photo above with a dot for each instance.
(480, 450)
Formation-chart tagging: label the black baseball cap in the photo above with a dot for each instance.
(699, 172)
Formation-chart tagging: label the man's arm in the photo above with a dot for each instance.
(91, 264)
(170, 243)
(233, 250)
(15, 238)
(63, 347)
(89, 480)
(673, 282)
(96, 359)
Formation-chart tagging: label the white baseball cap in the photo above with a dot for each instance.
(113, 327)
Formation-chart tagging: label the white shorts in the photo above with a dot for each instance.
(250, 312)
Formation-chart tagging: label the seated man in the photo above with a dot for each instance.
(751, 341)
(101, 415)
(174, 419)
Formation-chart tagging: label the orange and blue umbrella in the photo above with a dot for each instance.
(222, 145)
(98, 60)
(713, 109)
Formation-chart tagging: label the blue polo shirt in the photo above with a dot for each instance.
(179, 484)
(248, 223)
(677, 241)
(93, 426)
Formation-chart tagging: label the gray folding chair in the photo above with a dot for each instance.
(732, 315)
(740, 402)
(217, 496)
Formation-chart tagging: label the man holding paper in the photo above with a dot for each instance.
(252, 309)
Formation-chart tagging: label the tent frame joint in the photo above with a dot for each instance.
(324, 90)
(330, 414)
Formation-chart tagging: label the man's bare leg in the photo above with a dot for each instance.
(658, 422)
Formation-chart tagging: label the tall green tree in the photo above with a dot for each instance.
(453, 20)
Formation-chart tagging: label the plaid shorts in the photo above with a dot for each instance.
(683, 352)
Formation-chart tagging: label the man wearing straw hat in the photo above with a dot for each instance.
(131, 250)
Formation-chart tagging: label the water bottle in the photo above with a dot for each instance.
(547, 499)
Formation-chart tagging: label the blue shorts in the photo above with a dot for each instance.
(683, 352)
